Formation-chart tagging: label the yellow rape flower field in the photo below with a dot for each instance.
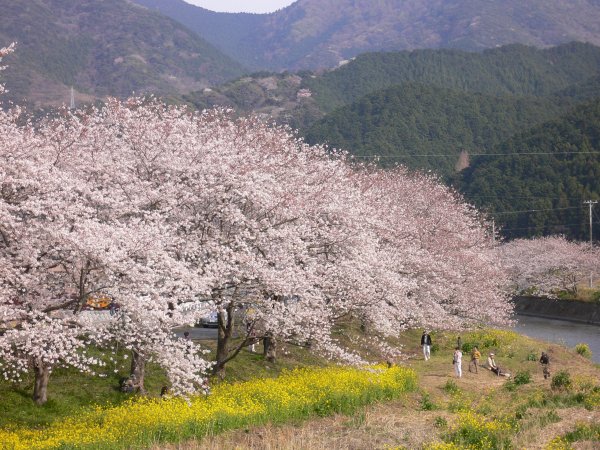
(296, 394)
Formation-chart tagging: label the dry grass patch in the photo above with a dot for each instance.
(382, 426)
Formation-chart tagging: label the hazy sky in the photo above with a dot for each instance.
(256, 6)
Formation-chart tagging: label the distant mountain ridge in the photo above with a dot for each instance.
(108, 47)
(511, 69)
(321, 33)
(570, 70)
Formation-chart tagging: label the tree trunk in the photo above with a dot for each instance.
(40, 388)
(225, 331)
(138, 371)
(270, 348)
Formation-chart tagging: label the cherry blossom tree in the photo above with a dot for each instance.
(171, 214)
(430, 262)
(547, 265)
(80, 219)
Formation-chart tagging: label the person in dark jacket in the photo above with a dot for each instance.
(545, 362)
(426, 344)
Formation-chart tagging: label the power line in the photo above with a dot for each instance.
(475, 154)
(528, 196)
(544, 226)
(537, 210)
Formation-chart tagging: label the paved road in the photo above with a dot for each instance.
(198, 332)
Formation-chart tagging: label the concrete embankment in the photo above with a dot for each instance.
(571, 310)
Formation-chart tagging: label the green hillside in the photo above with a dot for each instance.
(583, 91)
(544, 169)
(405, 121)
(513, 69)
(570, 71)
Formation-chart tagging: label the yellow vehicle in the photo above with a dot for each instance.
(98, 301)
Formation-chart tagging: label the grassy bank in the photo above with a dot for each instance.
(479, 411)
(292, 396)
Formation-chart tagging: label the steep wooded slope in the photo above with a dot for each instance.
(112, 47)
(551, 168)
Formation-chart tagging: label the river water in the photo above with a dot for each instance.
(561, 332)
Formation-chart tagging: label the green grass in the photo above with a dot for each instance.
(70, 391)
(527, 406)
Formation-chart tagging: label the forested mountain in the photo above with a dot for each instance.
(570, 70)
(322, 33)
(109, 47)
(233, 33)
(400, 123)
(552, 168)
(513, 69)
(585, 90)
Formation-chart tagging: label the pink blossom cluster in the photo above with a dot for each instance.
(545, 266)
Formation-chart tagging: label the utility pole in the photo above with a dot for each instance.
(591, 203)
(72, 105)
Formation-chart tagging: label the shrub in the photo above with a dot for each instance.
(580, 433)
(584, 350)
(548, 418)
(522, 378)
(459, 403)
(532, 357)
(451, 387)
(474, 431)
(489, 338)
(519, 379)
(520, 412)
(426, 403)
(562, 380)
(467, 347)
(440, 422)
(592, 399)
(559, 443)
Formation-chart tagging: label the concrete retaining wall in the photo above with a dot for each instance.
(558, 309)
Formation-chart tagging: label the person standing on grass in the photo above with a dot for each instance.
(457, 361)
(426, 344)
(545, 362)
(475, 357)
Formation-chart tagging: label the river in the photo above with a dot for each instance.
(561, 332)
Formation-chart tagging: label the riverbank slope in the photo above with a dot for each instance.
(476, 410)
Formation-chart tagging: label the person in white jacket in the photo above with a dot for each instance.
(457, 361)
(495, 368)
(426, 344)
